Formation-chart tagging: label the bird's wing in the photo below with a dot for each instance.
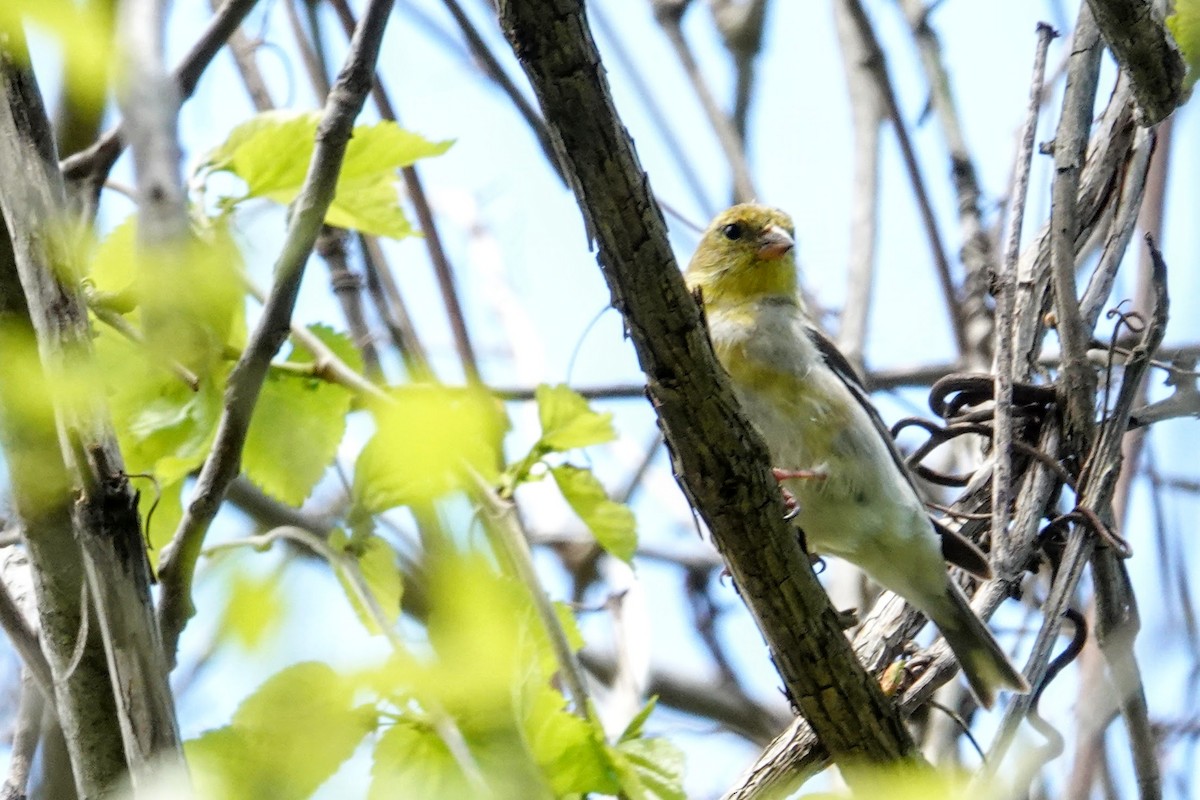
(956, 548)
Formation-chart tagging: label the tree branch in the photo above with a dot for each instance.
(178, 561)
(1134, 31)
(96, 492)
(720, 460)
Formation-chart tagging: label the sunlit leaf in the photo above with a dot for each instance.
(905, 782)
(412, 761)
(652, 769)
(161, 508)
(567, 747)
(567, 420)
(163, 425)
(298, 423)
(285, 740)
(611, 523)
(271, 154)
(424, 444)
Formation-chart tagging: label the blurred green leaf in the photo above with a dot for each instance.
(285, 740)
(161, 508)
(1185, 27)
(423, 445)
(298, 424)
(634, 729)
(611, 523)
(83, 31)
(652, 769)
(254, 608)
(410, 760)
(271, 153)
(567, 420)
(906, 782)
(377, 563)
(569, 750)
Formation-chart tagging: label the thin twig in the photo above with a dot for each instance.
(977, 250)
(1005, 306)
(433, 240)
(515, 546)
(867, 115)
(27, 731)
(669, 17)
(924, 205)
(1077, 385)
(637, 77)
(178, 561)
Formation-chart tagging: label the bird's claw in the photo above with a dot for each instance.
(847, 618)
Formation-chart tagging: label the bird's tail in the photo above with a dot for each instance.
(984, 664)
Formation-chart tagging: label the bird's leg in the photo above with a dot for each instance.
(789, 500)
(799, 474)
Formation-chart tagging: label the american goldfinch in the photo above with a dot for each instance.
(855, 498)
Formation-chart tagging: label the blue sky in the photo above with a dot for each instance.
(515, 237)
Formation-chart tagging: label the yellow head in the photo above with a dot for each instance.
(746, 253)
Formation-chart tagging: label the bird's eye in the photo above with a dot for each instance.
(732, 231)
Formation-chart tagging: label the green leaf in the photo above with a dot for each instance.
(161, 509)
(377, 563)
(424, 444)
(634, 729)
(271, 153)
(285, 740)
(164, 427)
(410, 760)
(568, 422)
(84, 32)
(611, 523)
(253, 610)
(650, 769)
(111, 268)
(298, 424)
(570, 752)
(1185, 27)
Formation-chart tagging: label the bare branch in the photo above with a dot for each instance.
(669, 16)
(867, 115)
(878, 63)
(1005, 301)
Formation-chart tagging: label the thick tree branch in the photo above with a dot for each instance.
(1134, 31)
(720, 460)
(96, 493)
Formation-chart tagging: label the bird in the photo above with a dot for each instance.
(854, 497)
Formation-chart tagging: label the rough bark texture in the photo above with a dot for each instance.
(1140, 43)
(94, 499)
(41, 499)
(720, 461)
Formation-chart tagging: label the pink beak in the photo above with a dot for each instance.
(774, 242)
